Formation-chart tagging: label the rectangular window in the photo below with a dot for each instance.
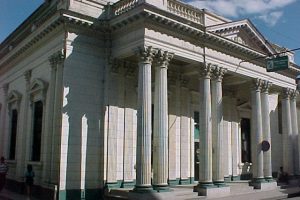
(37, 131)
(13, 134)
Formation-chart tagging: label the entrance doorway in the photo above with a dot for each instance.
(245, 140)
(196, 145)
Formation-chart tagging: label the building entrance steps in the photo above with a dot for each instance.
(239, 190)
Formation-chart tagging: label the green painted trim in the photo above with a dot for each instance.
(184, 181)
(87, 194)
(114, 185)
(127, 184)
(192, 180)
(174, 182)
(254, 181)
(236, 178)
(143, 189)
(219, 183)
(269, 179)
(227, 178)
(161, 188)
(205, 185)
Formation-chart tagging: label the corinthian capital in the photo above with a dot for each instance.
(163, 58)
(266, 86)
(257, 84)
(294, 94)
(146, 54)
(218, 73)
(286, 93)
(56, 58)
(206, 70)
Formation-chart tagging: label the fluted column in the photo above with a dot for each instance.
(287, 132)
(205, 166)
(256, 132)
(160, 134)
(295, 135)
(266, 129)
(217, 125)
(143, 154)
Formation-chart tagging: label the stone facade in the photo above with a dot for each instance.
(141, 95)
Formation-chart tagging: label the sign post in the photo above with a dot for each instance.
(278, 63)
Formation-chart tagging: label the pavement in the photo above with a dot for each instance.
(8, 195)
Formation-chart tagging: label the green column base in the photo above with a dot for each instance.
(192, 180)
(143, 189)
(269, 179)
(219, 183)
(114, 185)
(127, 184)
(227, 178)
(174, 182)
(205, 185)
(236, 178)
(161, 188)
(184, 181)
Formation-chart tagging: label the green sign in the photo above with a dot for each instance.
(278, 63)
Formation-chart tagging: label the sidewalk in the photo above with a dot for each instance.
(8, 195)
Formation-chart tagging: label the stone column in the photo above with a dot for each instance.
(295, 132)
(184, 132)
(143, 154)
(205, 166)
(287, 132)
(256, 132)
(217, 126)
(266, 129)
(160, 133)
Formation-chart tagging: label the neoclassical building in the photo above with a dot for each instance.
(144, 95)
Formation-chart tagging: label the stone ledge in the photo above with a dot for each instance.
(213, 192)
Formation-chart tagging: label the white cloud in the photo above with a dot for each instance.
(271, 18)
(238, 8)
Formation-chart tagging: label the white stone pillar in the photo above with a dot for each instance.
(256, 132)
(217, 126)
(143, 154)
(295, 136)
(266, 129)
(160, 134)
(287, 132)
(184, 132)
(234, 139)
(205, 166)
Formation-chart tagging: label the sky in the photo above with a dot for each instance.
(277, 20)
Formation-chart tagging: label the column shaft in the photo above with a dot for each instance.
(160, 137)
(256, 132)
(217, 126)
(205, 166)
(287, 133)
(295, 132)
(266, 130)
(143, 154)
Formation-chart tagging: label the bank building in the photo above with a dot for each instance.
(144, 95)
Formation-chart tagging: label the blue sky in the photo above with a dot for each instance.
(277, 20)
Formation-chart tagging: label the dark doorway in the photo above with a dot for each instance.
(196, 147)
(245, 140)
